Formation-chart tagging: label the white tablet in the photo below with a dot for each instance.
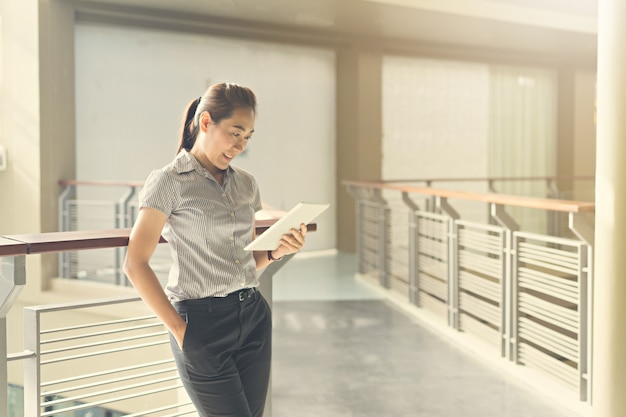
(301, 213)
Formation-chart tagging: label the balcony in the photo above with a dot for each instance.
(521, 296)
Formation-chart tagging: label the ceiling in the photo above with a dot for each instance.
(566, 28)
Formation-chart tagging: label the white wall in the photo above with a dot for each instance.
(436, 123)
(447, 119)
(435, 118)
(132, 86)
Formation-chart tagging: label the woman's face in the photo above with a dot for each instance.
(218, 144)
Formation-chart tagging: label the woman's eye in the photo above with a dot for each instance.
(236, 134)
(248, 137)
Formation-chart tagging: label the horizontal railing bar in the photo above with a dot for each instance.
(549, 339)
(568, 269)
(74, 240)
(109, 400)
(551, 239)
(562, 257)
(103, 183)
(568, 206)
(103, 343)
(103, 352)
(90, 203)
(50, 242)
(108, 381)
(487, 179)
(107, 372)
(169, 407)
(553, 251)
(552, 366)
(185, 413)
(548, 278)
(109, 391)
(11, 247)
(113, 183)
(102, 302)
(102, 323)
(27, 354)
(102, 333)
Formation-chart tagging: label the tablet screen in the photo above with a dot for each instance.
(301, 213)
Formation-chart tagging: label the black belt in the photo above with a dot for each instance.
(232, 298)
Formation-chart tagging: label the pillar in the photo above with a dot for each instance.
(609, 338)
(359, 131)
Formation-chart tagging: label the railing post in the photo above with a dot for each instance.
(64, 226)
(453, 280)
(585, 318)
(382, 238)
(581, 228)
(502, 218)
(32, 364)
(413, 248)
(356, 193)
(266, 288)
(4, 368)
(554, 218)
(12, 280)
(122, 219)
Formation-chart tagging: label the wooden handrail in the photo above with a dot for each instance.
(103, 183)
(487, 179)
(503, 199)
(26, 244)
(10, 247)
(464, 179)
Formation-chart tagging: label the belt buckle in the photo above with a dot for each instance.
(242, 295)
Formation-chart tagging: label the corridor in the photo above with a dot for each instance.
(343, 349)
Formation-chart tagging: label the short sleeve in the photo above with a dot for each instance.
(159, 192)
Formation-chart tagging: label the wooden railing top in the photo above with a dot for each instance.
(103, 183)
(10, 247)
(410, 180)
(26, 244)
(503, 199)
(492, 179)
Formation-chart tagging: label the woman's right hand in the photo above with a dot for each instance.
(180, 335)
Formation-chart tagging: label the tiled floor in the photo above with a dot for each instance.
(343, 350)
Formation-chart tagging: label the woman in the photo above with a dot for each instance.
(219, 324)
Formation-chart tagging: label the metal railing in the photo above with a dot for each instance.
(99, 205)
(97, 357)
(105, 205)
(525, 296)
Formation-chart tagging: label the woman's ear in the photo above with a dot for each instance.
(205, 120)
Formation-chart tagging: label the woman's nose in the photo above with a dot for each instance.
(239, 144)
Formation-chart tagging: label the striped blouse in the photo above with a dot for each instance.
(207, 228)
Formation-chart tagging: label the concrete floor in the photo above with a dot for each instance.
(341, 349)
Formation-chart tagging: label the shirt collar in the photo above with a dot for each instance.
(186, 162)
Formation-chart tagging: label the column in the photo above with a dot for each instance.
(609, 343)
(57, 143)
(359, 131)
(36, 119)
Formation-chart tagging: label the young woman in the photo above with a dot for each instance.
(219, 324)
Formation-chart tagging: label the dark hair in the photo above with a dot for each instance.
(220, 100)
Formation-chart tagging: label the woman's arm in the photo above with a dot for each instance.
(290, 243)
(143, 240)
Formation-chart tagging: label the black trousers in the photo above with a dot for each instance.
(225, 360)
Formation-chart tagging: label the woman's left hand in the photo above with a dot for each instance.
(291, 242)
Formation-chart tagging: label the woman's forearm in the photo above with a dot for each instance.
(149, 289)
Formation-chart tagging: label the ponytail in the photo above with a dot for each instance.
(189, 128)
